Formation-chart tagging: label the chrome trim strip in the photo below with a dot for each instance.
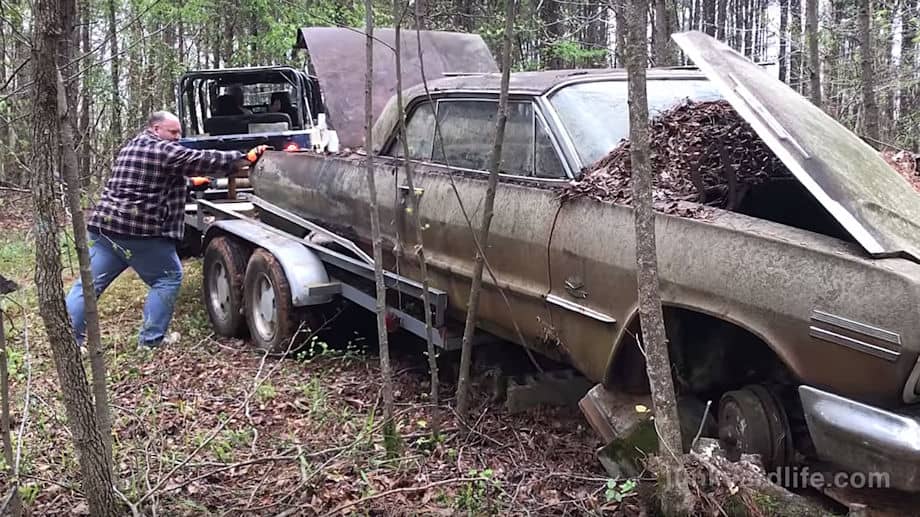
(855, 344)
(857, 327)
(580, 309)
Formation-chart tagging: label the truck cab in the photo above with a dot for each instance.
(239, 108)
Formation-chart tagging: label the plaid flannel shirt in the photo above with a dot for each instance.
(146, 194)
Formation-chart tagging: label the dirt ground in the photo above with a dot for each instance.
(211, 427)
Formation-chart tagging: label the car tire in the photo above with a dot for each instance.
(222, 285)
(270, 314)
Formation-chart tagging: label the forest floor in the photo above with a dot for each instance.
(212, 427)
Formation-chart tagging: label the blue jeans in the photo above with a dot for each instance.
(153, 259)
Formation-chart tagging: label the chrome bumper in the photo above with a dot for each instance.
(861, 438)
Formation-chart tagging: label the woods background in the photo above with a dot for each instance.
(859, 55)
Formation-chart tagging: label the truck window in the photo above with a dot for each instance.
(468, 129)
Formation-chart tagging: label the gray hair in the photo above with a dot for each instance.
(160, 116)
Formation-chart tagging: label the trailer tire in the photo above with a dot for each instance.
(269, 309)
(222, 285)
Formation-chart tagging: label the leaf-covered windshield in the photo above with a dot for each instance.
(595, 114)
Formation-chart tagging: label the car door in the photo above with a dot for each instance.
(453, 165)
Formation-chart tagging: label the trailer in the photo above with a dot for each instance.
(269, 273)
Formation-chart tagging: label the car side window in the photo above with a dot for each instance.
(420, 131)
(468, 131)
(547, 164)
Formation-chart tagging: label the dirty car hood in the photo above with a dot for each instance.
(846, 175)
(338, 58)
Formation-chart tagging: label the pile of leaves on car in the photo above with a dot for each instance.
(702, 154)
(907, 164)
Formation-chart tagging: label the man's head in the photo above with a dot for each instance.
(165, 125)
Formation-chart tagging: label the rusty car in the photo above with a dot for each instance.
(796, 312)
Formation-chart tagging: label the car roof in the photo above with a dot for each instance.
(520, 83)
(539, 83)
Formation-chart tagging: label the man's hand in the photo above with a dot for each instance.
(253, 155)
(199, 183)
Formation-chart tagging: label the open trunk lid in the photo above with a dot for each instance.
(338, 59)
(845, 174)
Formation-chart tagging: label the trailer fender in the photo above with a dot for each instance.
(305, 272)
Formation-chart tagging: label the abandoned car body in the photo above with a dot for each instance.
(804, 306)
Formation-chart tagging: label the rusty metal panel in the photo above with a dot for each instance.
(338, 58)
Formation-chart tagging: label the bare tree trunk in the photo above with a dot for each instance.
(867, 79)
(216, 46)
(93, 336)
(552, 22)
(814, 58)
(4, 110)
(795, 45)
(389, 426)
(620, 54)
(421, 14)
(398, 15)
(835, 52)
(695, 9)
(11, 474)
(229, 33)
(664, 53)
(738, 25)
(86, 107)
(116, 130)
(709, 17)
(889, 74)
(907, 97)
(676, 497)
(463, 383)
(748, 27)
(47, 127)
(721, 19)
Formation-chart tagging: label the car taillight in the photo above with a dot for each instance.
(291, 147)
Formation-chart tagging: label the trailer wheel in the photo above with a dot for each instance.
(222, 285)
(269, 309)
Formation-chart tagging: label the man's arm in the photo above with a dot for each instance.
(198, 162)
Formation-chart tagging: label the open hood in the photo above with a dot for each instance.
(846, 175)
(338, 59)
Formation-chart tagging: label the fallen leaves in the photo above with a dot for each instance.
(702, 154)
(907, 164)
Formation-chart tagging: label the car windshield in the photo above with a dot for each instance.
(595, 116)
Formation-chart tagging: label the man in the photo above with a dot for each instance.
(139, 220)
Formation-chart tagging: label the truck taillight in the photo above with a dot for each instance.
(291, 147)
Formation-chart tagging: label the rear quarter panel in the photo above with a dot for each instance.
(762, 276)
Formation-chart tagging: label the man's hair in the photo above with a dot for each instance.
(159, 116)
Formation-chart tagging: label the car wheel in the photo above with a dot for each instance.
(269, 310)
(752, 421)
(222, 285)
